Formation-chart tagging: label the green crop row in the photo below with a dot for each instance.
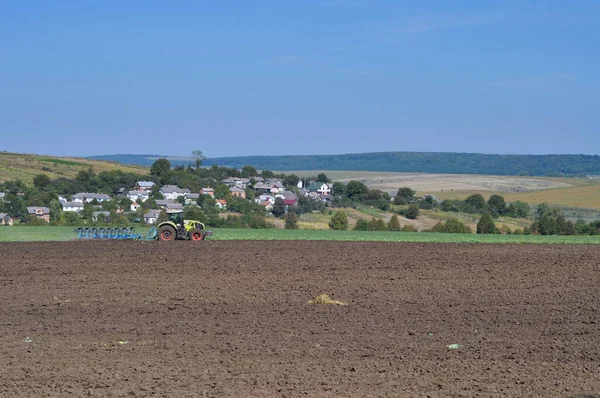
(62, 233)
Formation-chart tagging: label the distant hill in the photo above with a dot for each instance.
(413, 162)
(19, 166)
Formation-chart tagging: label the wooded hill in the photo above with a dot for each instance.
(410, 162)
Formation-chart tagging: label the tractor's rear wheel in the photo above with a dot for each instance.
(197, 235)
(166, 233)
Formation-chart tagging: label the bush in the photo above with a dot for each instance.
(361, 225)
(257, 222)
(486, 225)
(412, 212)
(339, 221)
(394, 224)
(291, 221)
(376, 224)
(451, 226)
(409, 228)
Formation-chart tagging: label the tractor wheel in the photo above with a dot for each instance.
(197, 235)
(166, 232)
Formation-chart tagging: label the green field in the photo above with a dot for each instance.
(52, 233)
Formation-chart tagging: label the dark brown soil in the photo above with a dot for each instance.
(187, 319)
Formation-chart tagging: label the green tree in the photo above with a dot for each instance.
(161, 168)
(376, 224)
(339, 188)
(394, 224)
(486, 225)
(322, 177)
(355, 189)
(291, 221)
(221, 191)
(278, 208)
(497, 205)
(452, 225)
(198, 157)
(249, 171)
(291, 180)
(339, 221)
(55, 210)
(41, 181)
(361, 225)
(267, 174)
(476, 201)
(412, 212)
(518, 209)
(404, 196)
(194, 213)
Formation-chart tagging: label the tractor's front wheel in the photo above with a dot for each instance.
(197, 235)
(166, 233)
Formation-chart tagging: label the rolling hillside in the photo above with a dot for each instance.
(407, 162)
(24, 167)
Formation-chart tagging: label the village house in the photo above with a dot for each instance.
(143, 186)
(138, 195)
(239, 192)
(208, 191)
(5, 219)
(88, 197)
(221, 204)
(134, 206)
(39, 212)
(103, 215)
(162, 203)
(173, 206)
(320, 188)
(72, 206)
(151, 217)
(191, 198)
(2, 195)
(172, 192)
(289, 198)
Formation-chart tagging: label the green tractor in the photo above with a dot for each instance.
(176, 228)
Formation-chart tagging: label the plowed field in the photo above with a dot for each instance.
(232, 319)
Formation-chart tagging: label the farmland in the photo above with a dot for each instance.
(18, 166)
(64, 233)
(175, 319)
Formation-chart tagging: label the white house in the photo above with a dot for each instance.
(191, 198)
(143, 186)
(88, 197)
(2, 195)
(221, 204)
(151, 217)
(172, 192)
(105, 215)
(72, 206)
(5, 219)
(319, 187)
(138, 196)
(135, 206)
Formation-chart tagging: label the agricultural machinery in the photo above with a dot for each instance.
(175, 228)
(179, 228)
(113, 233)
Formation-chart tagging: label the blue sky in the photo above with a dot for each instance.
(259, 77)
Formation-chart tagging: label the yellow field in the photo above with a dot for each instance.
(24, 166)
(581, 196)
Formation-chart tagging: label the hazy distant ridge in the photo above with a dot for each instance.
(419, 162)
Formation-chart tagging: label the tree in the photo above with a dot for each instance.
(412, 212)
(486, 225)
(248, 171)
(452, 225)
(404, 196)
(376, 224)
(291, 221)
(394, 224)
(518, 209)
(194, 213)
(221, 191)
(267, 174)
(278, 208)
(338, 188)
(339, 221)
(476, 201)
(161, 168)
(322, 177)
(41, 181)
(361, 225)
(291, 180)
(497, 205)
(198, 157)
(356, 188)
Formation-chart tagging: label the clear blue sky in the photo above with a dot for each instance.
(258, 77)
